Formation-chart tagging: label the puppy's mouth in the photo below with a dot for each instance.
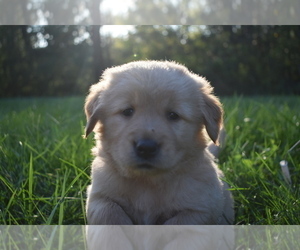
(146, 169)
(145, 166)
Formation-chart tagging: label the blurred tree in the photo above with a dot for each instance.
(251, 12)
(14, 11)
(51, 12)
(59, 60)
(234, 58)
(153, 12)
(77, 11)
(44, 60)
(94, 7)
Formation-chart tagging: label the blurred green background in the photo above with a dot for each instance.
(66, 60)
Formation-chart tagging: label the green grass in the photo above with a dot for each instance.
(260, 133)
(44, 162)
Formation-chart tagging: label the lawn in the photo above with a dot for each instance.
(44, 161)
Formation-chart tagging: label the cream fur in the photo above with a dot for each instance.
(183, 184)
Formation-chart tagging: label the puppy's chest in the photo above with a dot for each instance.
(151, 207)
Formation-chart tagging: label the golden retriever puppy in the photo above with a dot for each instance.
(151, 161)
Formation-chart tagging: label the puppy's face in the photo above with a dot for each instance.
(150, 116)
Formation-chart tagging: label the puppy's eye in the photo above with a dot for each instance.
(173, 116)
(128, 112)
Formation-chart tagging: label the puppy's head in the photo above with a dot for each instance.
(150, 116)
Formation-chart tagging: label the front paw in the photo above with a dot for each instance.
(106, 213)
(191, 218)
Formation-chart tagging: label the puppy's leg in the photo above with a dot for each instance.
(190, 237)
(199, 237)
(192, 218)
(228, 212)
(107, 237)
(101, 211)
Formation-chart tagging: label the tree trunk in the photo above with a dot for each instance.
(96, 38)
(97, 52)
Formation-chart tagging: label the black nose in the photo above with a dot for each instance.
(146, 148)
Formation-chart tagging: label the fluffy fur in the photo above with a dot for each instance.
(171, 178)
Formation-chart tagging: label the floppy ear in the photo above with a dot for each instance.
(93, 108)
(212, 114)
(91, 123)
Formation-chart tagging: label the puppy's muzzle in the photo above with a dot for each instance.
(146, 149)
